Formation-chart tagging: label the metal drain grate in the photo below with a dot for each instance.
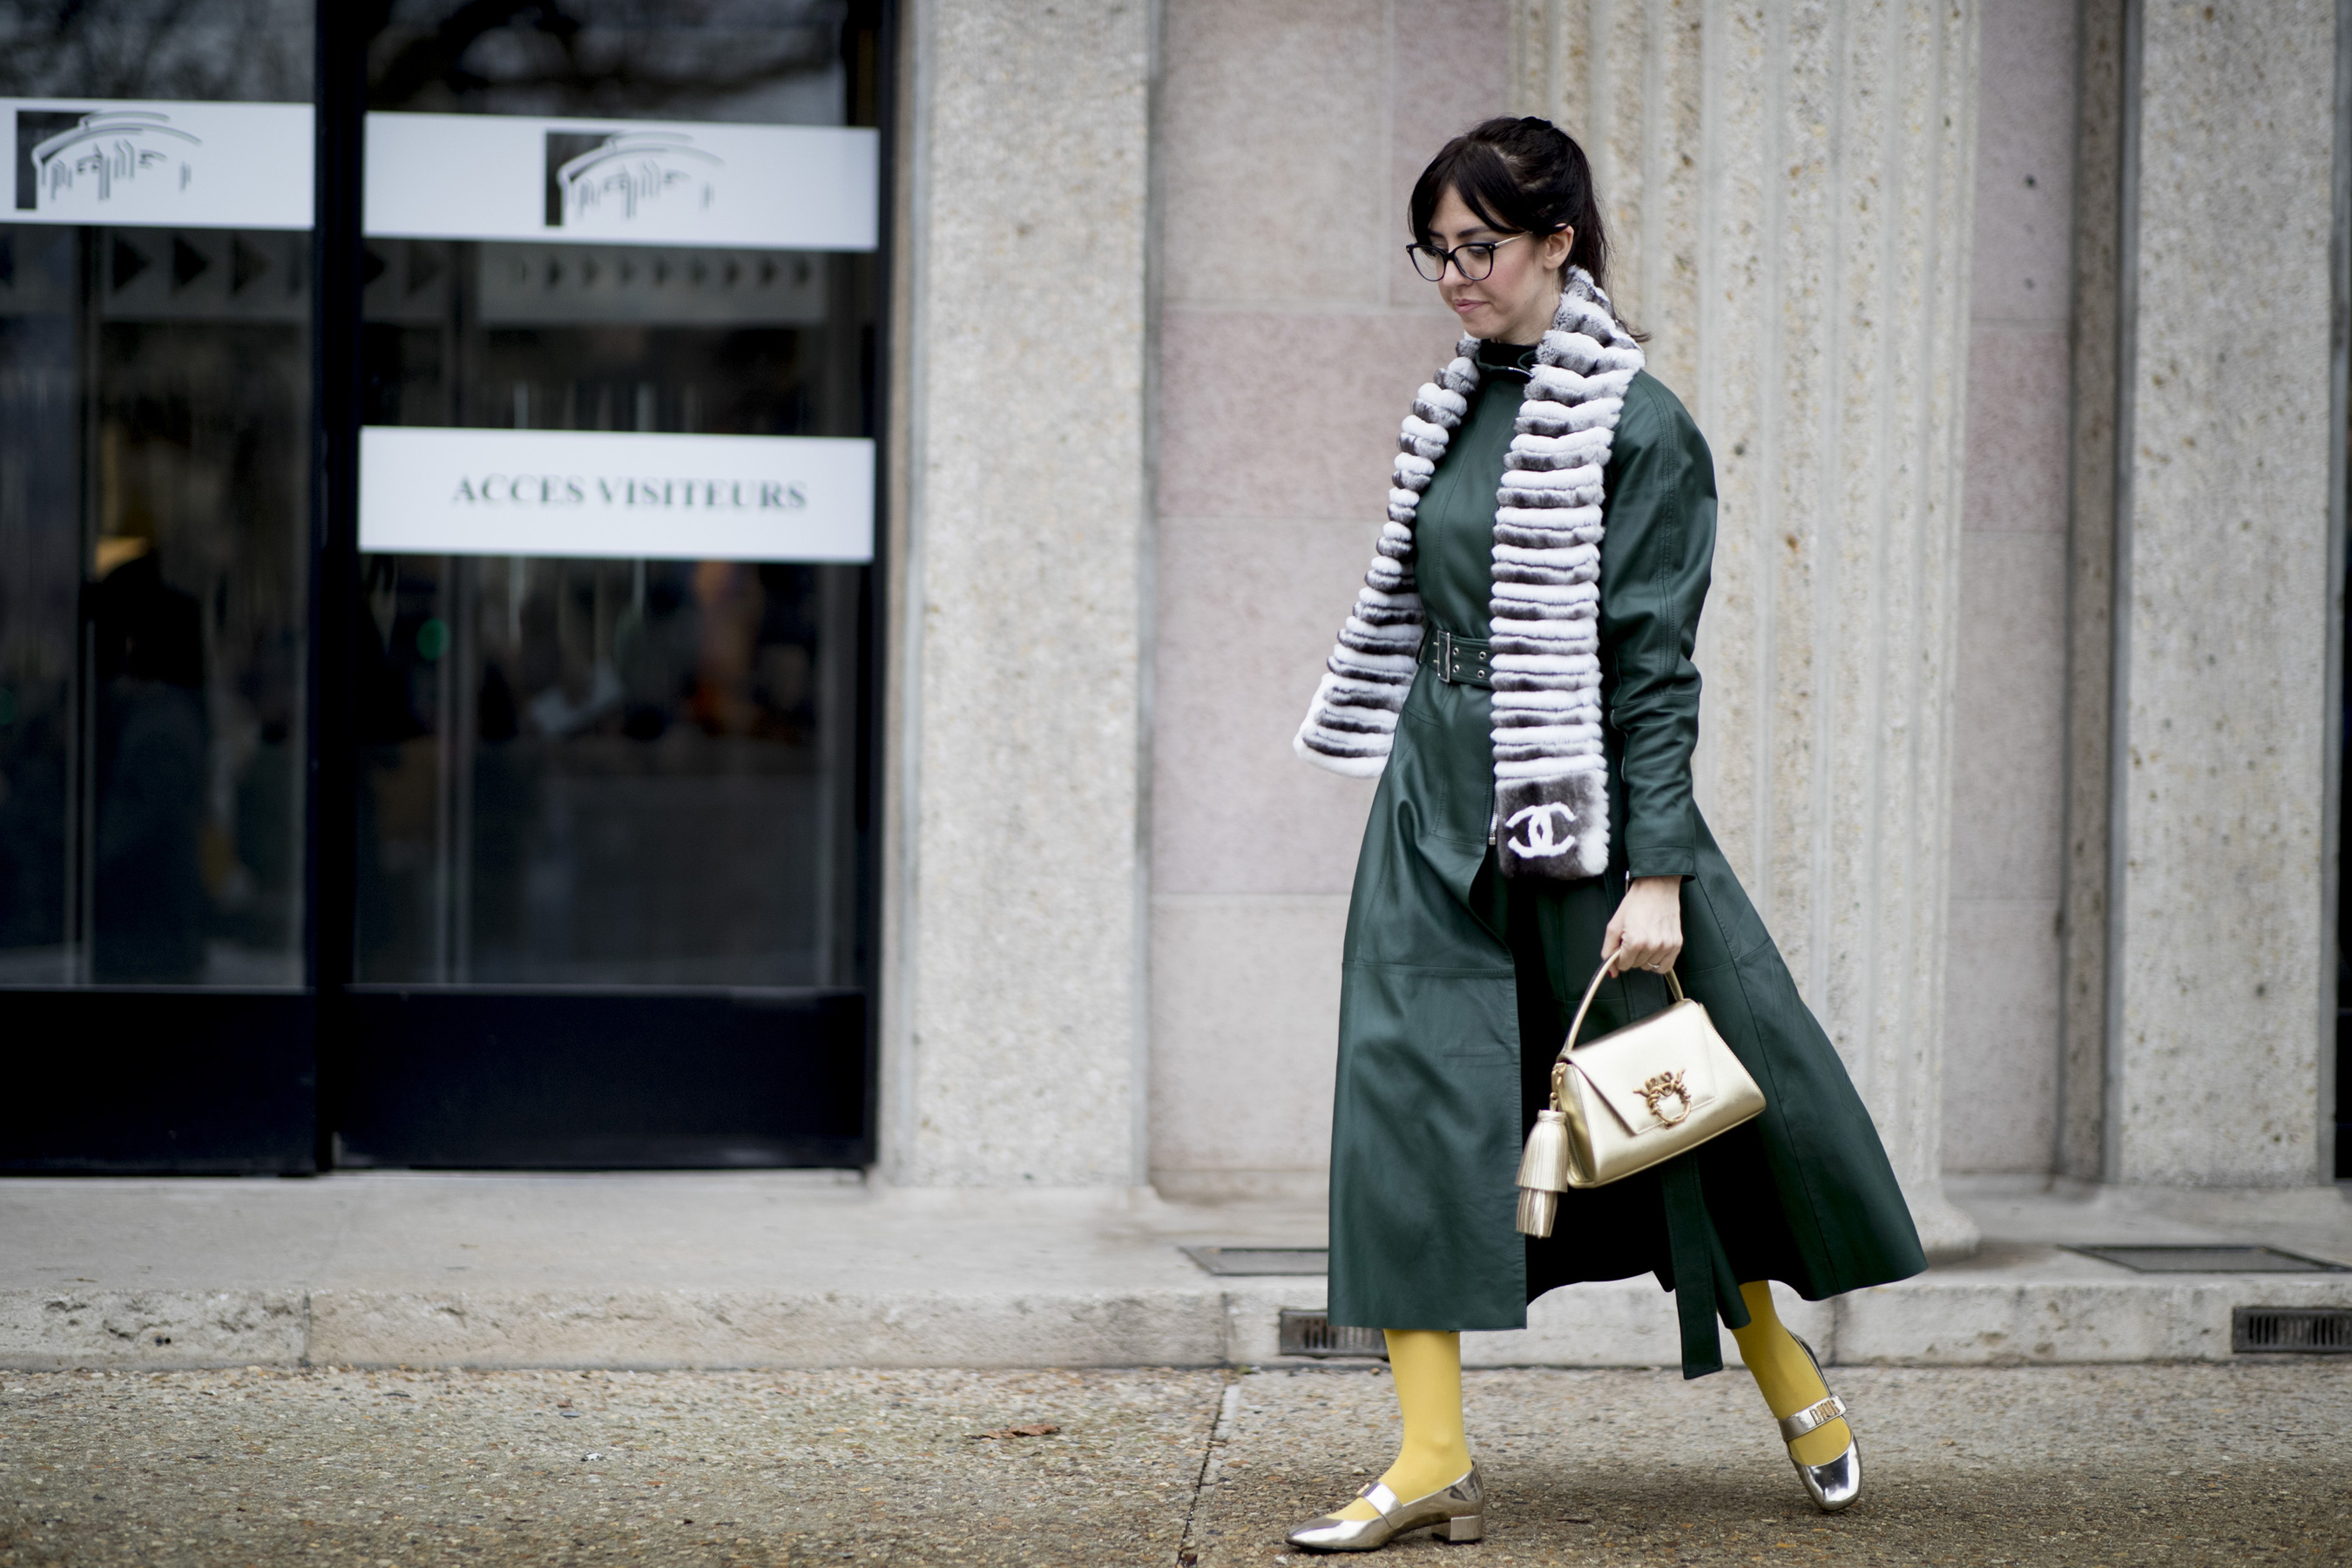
(1312, 1333)
(1261, 1259)
(2210, 1259)
(2294, 1331)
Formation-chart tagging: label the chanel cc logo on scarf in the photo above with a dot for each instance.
(1544, 592)
(1538, 843)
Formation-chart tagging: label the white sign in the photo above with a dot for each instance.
(625, 494)
(479, 176)
(189, 166)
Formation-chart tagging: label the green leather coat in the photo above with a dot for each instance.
(1458, 985)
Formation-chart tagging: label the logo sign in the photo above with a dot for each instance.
(625, 494)
(474, 176)
(606, 182)
(189, 166)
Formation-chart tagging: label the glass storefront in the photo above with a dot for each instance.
(505, 715)
(575, 770)
(155, 408)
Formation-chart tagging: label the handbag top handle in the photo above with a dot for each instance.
(1599, 974)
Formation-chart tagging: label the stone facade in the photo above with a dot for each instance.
(2003, 968)
(1791, 190)
(1013, 1025)
(1905, 265)
(1291, 330)
(2219, 995)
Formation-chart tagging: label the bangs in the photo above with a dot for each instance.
(1476, 172)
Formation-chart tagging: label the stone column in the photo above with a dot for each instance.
(2220, 994)
(2078, 1152)
(1791, 189)
(1013, 998)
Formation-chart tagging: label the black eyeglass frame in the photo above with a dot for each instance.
(1417, 252)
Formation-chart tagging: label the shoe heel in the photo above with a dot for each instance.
(1468, 1527)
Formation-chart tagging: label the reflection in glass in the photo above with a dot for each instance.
(154, 446)
(604, 772)
(153, 564)
(772, 62)
(598, 771)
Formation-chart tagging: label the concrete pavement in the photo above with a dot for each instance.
(2116, 1465)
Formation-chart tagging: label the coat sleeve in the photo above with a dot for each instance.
(1656, 560)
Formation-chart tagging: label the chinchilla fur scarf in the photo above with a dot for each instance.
(1551, 790)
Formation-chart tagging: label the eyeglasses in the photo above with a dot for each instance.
(1475, 261)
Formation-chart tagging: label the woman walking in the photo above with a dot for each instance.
(1517, 672)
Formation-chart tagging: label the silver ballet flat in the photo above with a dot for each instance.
(1459, 1511)
(1836, 1484)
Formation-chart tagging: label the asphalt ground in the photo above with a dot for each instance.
(2123, 1465)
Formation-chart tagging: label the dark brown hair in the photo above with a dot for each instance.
(1522, 177)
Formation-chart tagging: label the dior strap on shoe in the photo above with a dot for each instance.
(1835, 1484)
(1459, 1511)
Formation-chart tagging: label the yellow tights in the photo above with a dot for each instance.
(1427, 1367)
(1785, 1375)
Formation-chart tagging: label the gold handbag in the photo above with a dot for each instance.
(1629, 1099)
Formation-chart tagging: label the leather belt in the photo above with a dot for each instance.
(1458, 661)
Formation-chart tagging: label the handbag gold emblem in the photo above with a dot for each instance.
(1667, 1086)
(1629, 1101)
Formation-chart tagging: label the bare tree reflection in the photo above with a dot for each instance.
(694, 58)
(257, 51)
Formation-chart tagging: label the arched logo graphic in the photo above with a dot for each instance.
(605, 184)
(1539, 844)
(159, 163)
(70, 161)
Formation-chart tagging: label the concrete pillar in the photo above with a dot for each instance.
(2220, 990)
(1013, 998)
(2081, 1094)
(2003, 961)
(1791, 189)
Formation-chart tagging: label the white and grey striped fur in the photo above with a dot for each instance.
(1551, 799)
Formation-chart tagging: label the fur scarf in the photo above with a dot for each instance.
(1551, 790)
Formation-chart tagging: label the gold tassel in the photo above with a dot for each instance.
(1537, 1209)
(1543, 1173)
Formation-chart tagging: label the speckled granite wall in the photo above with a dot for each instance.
(1906, 651)
(1013, 1022)
(1292, 333)
(2003, 976)
(1794, 189)
(2213, 1069)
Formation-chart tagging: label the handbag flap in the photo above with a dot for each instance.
(1653, 1073)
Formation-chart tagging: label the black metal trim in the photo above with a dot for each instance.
(339, 250)
(603, 1078)
(2165, 1257)
(2291, 1330)
(1307, 1333)
(131, 1080)
(873, 603)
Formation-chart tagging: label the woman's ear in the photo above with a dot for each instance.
(1557, 247)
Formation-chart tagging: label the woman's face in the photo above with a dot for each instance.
(1515, 302)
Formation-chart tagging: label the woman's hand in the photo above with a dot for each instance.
(1647, 931)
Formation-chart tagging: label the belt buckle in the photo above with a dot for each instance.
(1451, 658)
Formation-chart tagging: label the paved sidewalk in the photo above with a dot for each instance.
(2127, 1466)
(810, 1268)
